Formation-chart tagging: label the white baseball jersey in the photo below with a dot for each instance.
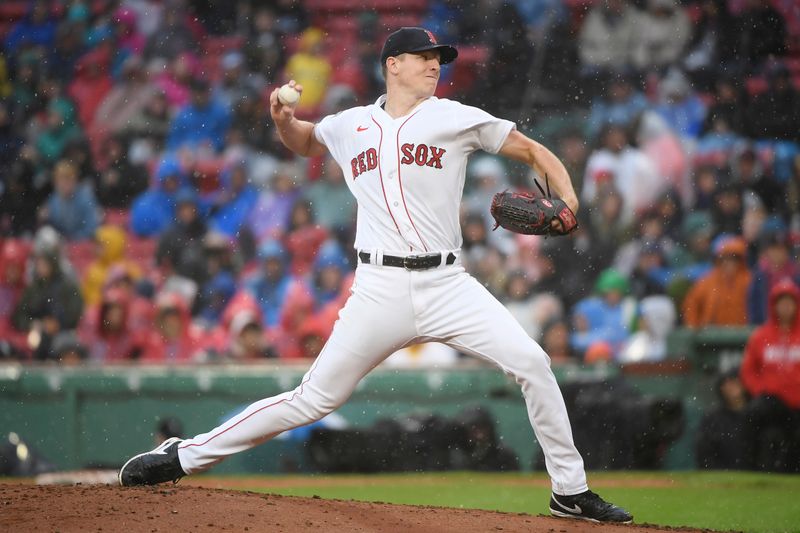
(407, 173)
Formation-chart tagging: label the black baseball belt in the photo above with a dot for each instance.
(412, 262)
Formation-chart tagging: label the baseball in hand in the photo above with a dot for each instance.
(288, 95)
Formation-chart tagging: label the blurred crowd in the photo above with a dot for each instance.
(149, 213)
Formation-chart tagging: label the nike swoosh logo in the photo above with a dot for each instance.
(162, 448)
(576, 509)
(362, 128)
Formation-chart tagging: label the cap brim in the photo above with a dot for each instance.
(448, 53)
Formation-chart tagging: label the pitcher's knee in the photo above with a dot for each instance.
(318, 405)
(532, 360)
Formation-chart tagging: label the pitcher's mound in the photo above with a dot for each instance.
(168, 508)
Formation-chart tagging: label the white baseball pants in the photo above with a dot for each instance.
(390, 308)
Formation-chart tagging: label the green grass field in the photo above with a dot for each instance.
(714, 500)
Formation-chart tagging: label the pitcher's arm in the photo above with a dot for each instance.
(525, 150)
(297, 135)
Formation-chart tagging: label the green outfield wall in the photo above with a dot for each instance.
(98, 416)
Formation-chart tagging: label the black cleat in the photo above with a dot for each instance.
(156, 466)
(588, 506)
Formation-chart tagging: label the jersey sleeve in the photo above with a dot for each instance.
(483, 131)
(329, 131)
(324, 131)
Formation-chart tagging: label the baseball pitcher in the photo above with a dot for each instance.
(404, 158)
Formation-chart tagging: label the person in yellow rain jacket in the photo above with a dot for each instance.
(310, 68)
(111, 241)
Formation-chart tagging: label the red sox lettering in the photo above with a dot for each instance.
(365, 161)
(420, 154)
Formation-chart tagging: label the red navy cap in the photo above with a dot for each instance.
(410, 40)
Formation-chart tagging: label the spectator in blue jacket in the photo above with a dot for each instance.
(329, 272)
(180, 247)
(333, 204)
(270, 216)
(235, 202)
(215, 296)
(154, 210)
(622, 105)
(692, 258)
(37, 28)
(270, 285)
(71, 208)
(203, 122)
(10, 140)
(606, 317)
(680, 106)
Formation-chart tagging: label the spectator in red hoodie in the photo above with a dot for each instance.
(13, 256)
(173, 338)
(91, 84)
(247, 339)
(298, 308)
(240, 335)
(106, 328)
(304, 238)
(312, 335)
(245, 335)
(771, 374)
(141, 308)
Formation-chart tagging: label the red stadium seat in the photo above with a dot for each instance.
(357, 6)
(340, 25)
(117, 217)
(211, 67)
(718, 159)
(341, 5)
(312, 115)
(416, 5)
(473, 54)
(13, 10)
(342, 50)
(758, 85)
(392, 5)
(793, 64)
(392, 21)
(755, 86)
(98, 6)
(791, 15)
(206, 175)
(351, 74)
(57, 9)
(706, 98)
(291, 44)
(80, 254)
(5, 28)
(141, 251)
(223, 44)
(577, 12)
(323, 5)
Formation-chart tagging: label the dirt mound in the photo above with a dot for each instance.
(175, 508)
